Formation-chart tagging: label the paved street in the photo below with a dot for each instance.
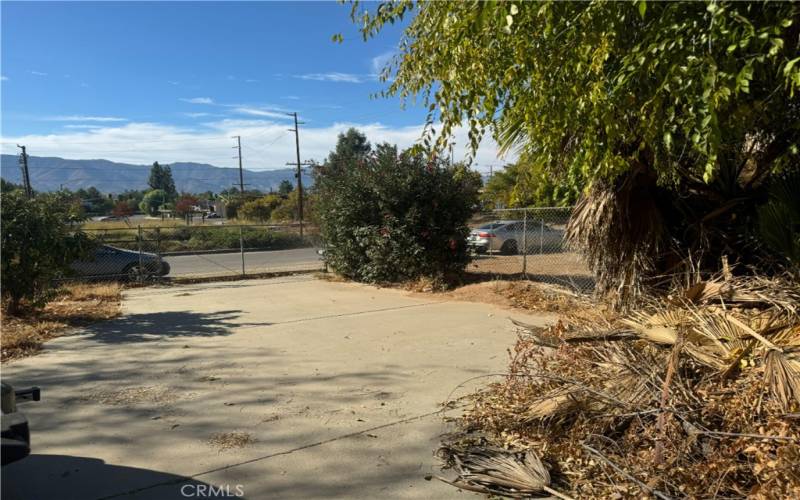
(255, 262)
(283, 388)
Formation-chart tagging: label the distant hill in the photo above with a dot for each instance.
(50, 174)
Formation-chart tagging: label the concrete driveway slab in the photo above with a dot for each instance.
(282, 388)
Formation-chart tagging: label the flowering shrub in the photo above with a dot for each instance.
(389, 217)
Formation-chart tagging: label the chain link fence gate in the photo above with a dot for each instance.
(527, 243)
(148, 253)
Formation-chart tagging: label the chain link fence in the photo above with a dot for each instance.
(149, 253)
(528, 243)
(506, 243)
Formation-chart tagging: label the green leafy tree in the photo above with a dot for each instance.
(351, 145)
(527, 183)
(152, 201)
(285, 188)
(260, 209)
(6, 186)
(94, 201)
(41, 237)
(389, 217)
(673, 115)
(161, 178)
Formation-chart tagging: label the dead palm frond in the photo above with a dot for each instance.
(620, 230)
(495, 471)
(660, 327)
(782, 378)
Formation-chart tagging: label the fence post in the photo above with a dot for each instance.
(241, 248)
(141, 263)
(541, 238)
(525, 243)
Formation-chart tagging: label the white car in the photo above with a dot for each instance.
(511, 236)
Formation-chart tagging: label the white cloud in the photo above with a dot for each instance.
(266, 143)
(85, 118)
(244, 110)
(291, 97)
(38, 73)
(87, 127)
(251, 80)
(380, 61)
(198, 100)
(333, 77)
(198, 115)
(173, 82)
(3, 78)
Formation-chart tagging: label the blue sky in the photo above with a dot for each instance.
(166, 81)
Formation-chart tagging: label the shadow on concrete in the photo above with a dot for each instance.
(156, 326)
(68, 477)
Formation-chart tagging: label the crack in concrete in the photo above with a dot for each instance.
(277, 454)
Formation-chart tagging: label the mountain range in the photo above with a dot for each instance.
(51, 174)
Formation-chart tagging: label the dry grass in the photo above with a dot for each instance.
(231, 440)
(77, 304)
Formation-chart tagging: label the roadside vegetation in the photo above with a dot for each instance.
(41, 237)
(675, 126)
(390, 216)
(182, 238)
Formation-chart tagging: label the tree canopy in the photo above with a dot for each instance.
(688, 88)
(161, 178)
(152, 201)
(675, 120)
(390, 216)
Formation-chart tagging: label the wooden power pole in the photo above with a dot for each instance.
(26, 178)
(299, 173)
(241, 174)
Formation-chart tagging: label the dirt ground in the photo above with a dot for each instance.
(283, 388)
(548, 263)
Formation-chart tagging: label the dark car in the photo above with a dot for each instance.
(213, 215)
(113, 262)
(16, 436)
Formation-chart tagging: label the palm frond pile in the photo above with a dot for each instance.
(695, 395)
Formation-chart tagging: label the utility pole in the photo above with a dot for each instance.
(26, 178)
(299, 173)
(241, 175)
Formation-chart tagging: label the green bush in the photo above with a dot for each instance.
(152, 201)
(390, 218)
(260, 209)
(39, 242)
